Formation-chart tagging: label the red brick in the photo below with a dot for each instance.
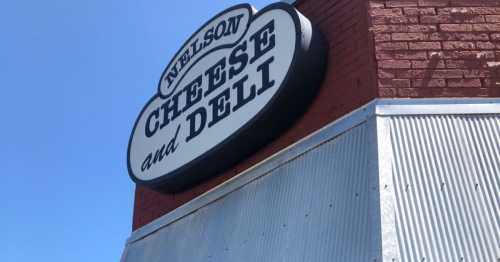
(384, 55)
(386, 12)
(433, 2)
(478, 73)
(475, 55)
(401, 3)
(427, 64)
(425, 46)
(492, 92)
(465, 33)
(421, 28)
(392, 46)
(486, 27)
(456, 27)
(464, 83)
(429, 83)
(382, 37)
(384, 83)
(458, 45)
(495, 37)
(474, 3)
(470, 10)
(460, 92)
(430, 73)
(377, 3)
(414, 92)
(394, 64)
(409, 36)
(488, 45)
(385, 73)
(448, 36)
(493, 18)
(411, 11)
(448, 73)
(453, 64)
(491, 82)
(395, 55)
(387, 92)
(410, 55)
(380, 20)
(389, 28)
(449, 19)
(493, 67)
(407, 73)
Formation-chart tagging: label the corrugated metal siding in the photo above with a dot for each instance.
(398, 180)
(320, 206)
(446, 175)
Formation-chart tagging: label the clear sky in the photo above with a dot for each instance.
(74, 76)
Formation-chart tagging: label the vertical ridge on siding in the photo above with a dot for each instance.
(446, 174)
(315, 207)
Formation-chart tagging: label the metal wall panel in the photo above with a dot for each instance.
(446, 176)
(318, 206)
(396, 180)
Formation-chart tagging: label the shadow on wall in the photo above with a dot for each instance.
(481, 61)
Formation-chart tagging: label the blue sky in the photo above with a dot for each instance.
(74, 76)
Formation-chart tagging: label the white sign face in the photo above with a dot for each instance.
(234, 85)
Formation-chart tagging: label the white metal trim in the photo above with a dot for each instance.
(433, 106)
(377, 107)
(390, 247)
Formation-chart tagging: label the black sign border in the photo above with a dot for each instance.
(303, 78)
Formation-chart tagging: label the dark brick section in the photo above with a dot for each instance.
(379, 48)
(451, 46)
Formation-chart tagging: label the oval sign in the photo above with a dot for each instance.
(237, 83)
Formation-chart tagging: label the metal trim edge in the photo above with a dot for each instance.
(437, 106)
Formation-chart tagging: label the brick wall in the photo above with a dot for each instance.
(379, 48)
(436, 48)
